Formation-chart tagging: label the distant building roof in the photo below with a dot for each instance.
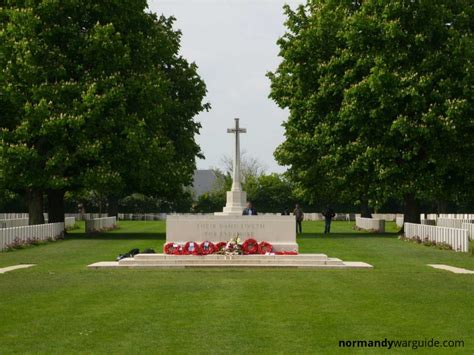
(203, 181)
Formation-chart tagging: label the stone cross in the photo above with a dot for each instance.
(236, 185)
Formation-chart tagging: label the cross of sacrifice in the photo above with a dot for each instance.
(236, 186)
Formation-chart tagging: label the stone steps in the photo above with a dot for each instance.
(128, 262)
(230, 261)
(206, 258)
(164, 260)
(234, 265)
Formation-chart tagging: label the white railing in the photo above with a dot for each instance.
(452, 222)
(24, 234)
(17, 222)
(100, 224)
(470, 229)
(371, 224)
(456, 238)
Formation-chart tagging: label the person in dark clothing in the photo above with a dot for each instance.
(328, 214)
(299, 216)
(249, 211)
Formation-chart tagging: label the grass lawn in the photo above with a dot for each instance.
(59, 306)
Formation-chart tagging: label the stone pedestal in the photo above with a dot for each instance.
(280, 231)
(236, 201)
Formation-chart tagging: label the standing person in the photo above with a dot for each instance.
(328, 214)
(299, 216)
(249, 211)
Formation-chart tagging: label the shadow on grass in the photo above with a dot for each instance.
(116, 236)
(348, 235)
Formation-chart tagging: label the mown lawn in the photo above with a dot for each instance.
(60, 306)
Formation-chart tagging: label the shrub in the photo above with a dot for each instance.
(20, 244)
(427, 242)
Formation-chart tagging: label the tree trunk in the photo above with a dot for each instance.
(442, 206)
(55, 206)
(113, 206)
(411, 209)
(364, 208)
(35, 206)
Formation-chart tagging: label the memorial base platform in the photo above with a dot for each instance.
(230, 261)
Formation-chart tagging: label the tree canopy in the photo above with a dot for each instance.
(380, 97)
(94, 95)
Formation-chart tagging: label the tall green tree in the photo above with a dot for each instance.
(380, 99)
(96, 95)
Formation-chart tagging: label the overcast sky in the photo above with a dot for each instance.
(233, 42)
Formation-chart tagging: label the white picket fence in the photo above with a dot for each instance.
(428, 222)
(470, 230)
(371, 224)
(10, 223)
(456, 238)
(98, 224)
(39, 231)
(452, 222)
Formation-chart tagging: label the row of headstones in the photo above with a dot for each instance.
(18, 231)
(24, 221)
(100, 224)
(453, 223)
(9, 237)
(378, 224)
(457, 238)
(78, 216)
(455, 232)
(308, 216)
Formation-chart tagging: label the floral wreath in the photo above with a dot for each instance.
(265, 247)
(191, 248)
(219, 247)
(172, 249)
(207, 247)
(250, 246)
